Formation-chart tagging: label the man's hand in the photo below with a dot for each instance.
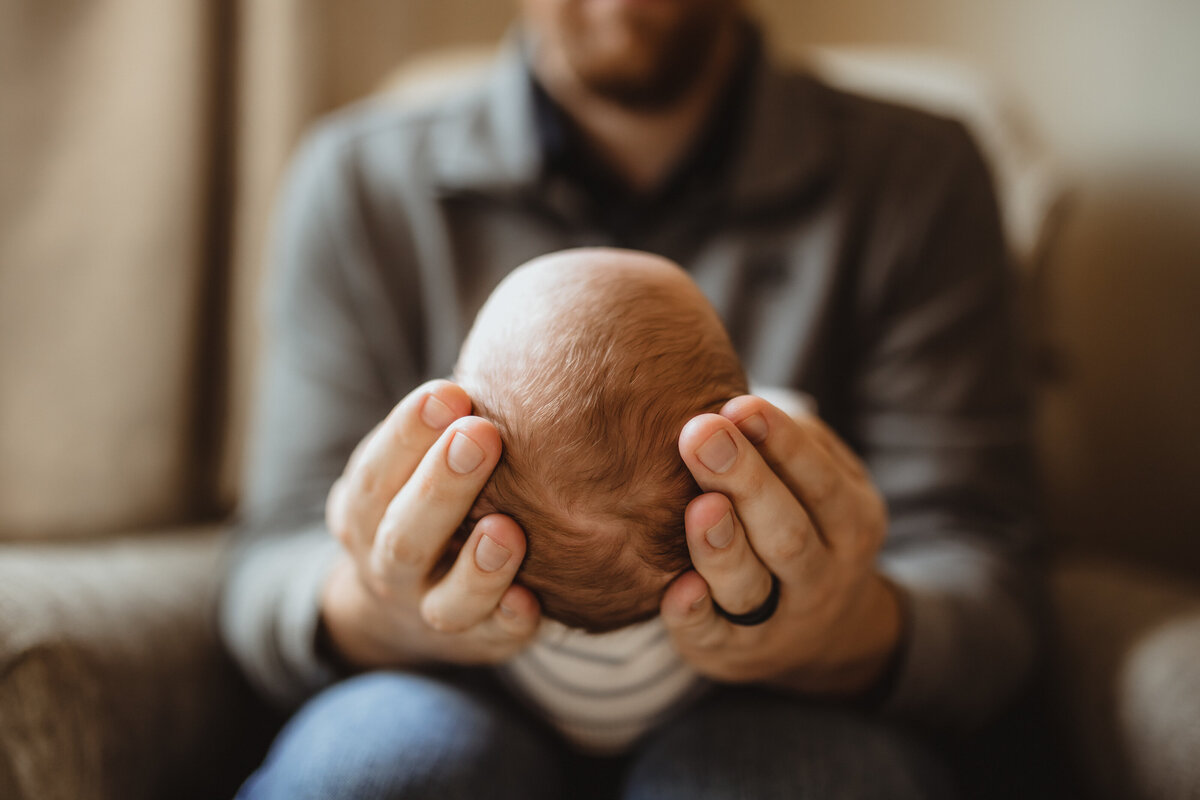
(786, 497)
(390, 601)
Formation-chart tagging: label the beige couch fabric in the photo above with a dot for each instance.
(113, 680)
(140, 145)
(1127, 645)
(104, 173)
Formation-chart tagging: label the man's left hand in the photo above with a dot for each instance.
(785, 497)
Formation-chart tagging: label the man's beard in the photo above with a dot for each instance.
(658, 65)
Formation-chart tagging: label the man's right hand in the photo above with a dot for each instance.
(404, 492)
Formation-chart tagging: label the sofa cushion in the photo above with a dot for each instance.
(1127, 643)
(112, 680)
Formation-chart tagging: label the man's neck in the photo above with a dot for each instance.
(642, 146)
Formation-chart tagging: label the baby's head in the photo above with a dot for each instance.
(590, 362)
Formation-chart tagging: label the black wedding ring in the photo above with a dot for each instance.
(759, 615)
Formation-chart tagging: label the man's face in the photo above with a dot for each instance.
(642, 54)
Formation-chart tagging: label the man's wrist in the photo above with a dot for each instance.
(867, 672)
(327, 652)
(884, 683)
(342, 638)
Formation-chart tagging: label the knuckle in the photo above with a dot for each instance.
(343, 532)
(381, 588)
(369, 478)
(703, 635)
(479, 589)
(821, 485)
(792, 544)
(712, 639)
(430, 490)
(754, 482)
(399, 437)
(435, 615)
(758, 588)
(688, 629)
(405, 551)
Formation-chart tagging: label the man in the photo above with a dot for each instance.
(853, 251)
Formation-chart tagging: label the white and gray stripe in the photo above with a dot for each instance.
(603, 691)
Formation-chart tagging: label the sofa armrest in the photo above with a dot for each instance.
(1126, 648)
(112, 679)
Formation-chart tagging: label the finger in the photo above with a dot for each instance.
(385, 459)
(336, 509)
(471, 591)
(721, 553)
(518, 615)
(688, 615)
(360, 448)
(427, 511)
(804, 454)
(777, 526)
(751, 414)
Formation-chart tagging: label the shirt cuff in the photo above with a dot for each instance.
(271, 611)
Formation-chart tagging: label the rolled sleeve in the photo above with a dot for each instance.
(271, 611)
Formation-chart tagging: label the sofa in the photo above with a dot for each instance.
(113, 683)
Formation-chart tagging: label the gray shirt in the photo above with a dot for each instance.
(854, 253)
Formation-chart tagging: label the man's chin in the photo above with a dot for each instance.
(644, 69)
(645, 93)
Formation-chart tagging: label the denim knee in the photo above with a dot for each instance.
(390, 735)
(751, 743)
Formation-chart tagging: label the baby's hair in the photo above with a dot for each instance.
(590, 414)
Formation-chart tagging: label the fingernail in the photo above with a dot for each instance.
(436, 414)
(490, 555)
(507, 611)
(463, 454)
(720, 535)
(754, 427)
(699, 602)
(718, 453)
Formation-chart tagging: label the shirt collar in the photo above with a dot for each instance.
(493, 147)
(565, 153)
(784, 147)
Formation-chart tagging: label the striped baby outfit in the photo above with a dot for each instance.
(603, 691)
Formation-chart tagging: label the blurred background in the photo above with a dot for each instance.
(141, 143)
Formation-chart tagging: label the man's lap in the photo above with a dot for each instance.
(394, 734)
(386, 735)
(760, 744)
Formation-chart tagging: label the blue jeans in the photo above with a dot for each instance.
(399, 735)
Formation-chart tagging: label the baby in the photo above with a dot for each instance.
(590, 362)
